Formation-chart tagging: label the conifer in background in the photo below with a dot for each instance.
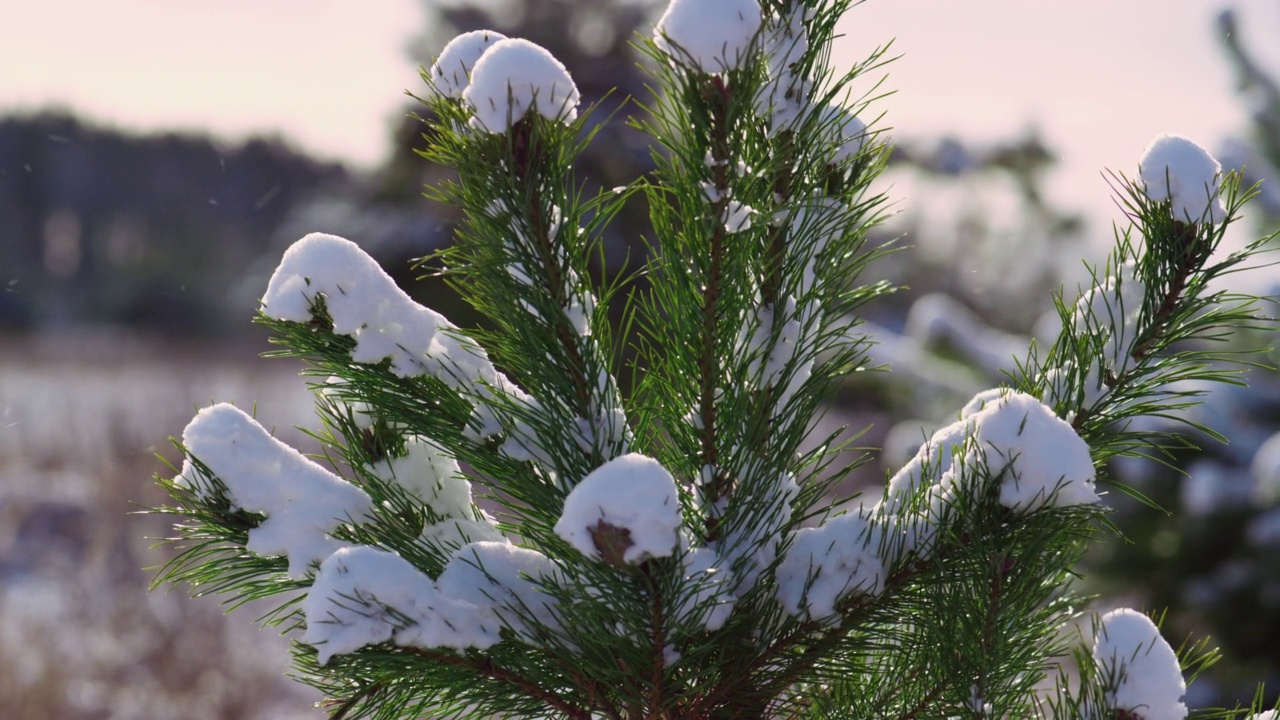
(675, 552)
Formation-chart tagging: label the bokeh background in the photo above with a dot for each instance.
(157, 156)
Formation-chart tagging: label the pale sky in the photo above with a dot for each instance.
(1099, 78)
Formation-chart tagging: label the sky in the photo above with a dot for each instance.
(1098, 78)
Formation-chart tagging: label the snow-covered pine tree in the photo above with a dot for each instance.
(675, 552)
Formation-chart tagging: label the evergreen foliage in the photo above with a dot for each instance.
(950, 597)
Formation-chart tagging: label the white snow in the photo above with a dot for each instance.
(706, 597)
(934, 458)
(1176, 169)
(714, 35)
(515, 76)
(303, 503)
(1111, 310)
(848, 132)
(453, 533)
(451, 72)
(1040, 460)
(1145, 679)
(635, 497)
(504, 579)
(363, 596)
(431, 475)
(365, 303)
(785, 97)
(1045, 462)
(827, 563)
(736, 217)
(768, 360)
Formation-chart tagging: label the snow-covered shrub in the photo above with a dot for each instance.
(674, 551)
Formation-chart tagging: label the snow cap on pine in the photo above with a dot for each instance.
(625, 511)
(849, 133)
(514, 77)
(1176, 169)
(303, 503)
(713, 35)
(1141, 669)
(451, 72)
(1044, 461)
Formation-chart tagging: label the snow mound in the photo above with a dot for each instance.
(713, 35)
(431, 475)
(827, 563)
(516, 76)
(364, 596)
(451, 73)
(1044, 460)
(504, 579)
(1112, 309)
(1039, 458)
(625, 511)
(1176, 169)
(303, 503)
(1140, 668)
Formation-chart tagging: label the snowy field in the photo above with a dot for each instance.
(81, 419)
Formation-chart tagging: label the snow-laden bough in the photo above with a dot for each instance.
(303, 503)
(364, 596)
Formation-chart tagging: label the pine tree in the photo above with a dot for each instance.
(675, 552)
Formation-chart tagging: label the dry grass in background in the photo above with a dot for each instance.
(81, 419)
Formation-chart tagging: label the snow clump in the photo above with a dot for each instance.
(451, 72)
(706, 597)
(1139, 667)
(1176, 169)
(303, 503)
(431, 475)
(827, 563)
(504, 579)
(363, 596)
(627, 509)
(1044, 461)
(1039, 459)
(515, 76)
(713, 35)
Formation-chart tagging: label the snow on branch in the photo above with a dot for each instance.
(364, 302)
(515, 76)
(1139, 668)
(1176, 169)
(507, 580)
(364, 596)
(714, 35)
(303, 503)
(451, 73)
(623, 512)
